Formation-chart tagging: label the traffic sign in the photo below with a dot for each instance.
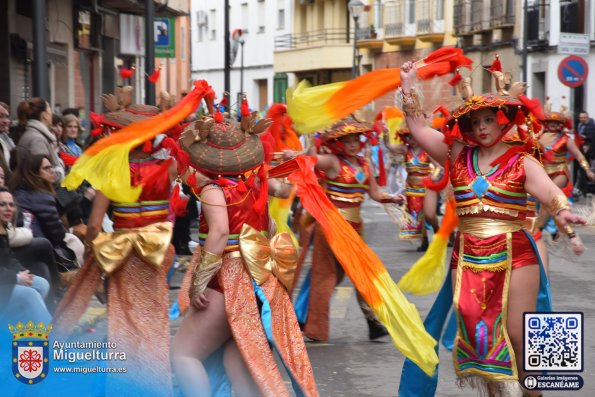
(164, 36)
(573, 71)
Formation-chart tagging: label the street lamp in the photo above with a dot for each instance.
(356, 8)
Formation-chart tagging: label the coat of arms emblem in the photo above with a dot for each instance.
(30, 351)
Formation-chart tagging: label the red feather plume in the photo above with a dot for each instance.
(154, 76)
(126, 73)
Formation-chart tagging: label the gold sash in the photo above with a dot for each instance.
(551, 168)
(351, 214)
(150, 243)
(486, 227)
(263, 256)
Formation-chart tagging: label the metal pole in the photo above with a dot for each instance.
(353, 68)
(525, 38)
(227, 56)
(149, 51)
(40, 57)
(358, 56)
(242, 67)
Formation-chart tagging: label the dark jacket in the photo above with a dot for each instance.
(587, 131)
(46, 219)
(9, 268)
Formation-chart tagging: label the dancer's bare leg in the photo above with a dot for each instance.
(430, 201)
(201, 333)
(241, 381)
(522, 297)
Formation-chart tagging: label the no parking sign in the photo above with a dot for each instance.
(573, 71)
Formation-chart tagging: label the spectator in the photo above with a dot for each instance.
(57, 127)
(72, 130)
(35, 254)
(3, 175)
(35, 119)
(6, 143)
(21, 293)
(586, 128)
(32, 184)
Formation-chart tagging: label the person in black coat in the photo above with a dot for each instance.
(21, 293)
(35, 196)
(586, 128)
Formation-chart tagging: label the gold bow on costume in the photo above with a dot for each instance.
(150, 243)
(263, 257)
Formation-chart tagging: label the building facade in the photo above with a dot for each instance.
(86, 44)
(550, 25)
(253, 26)
(320, 47)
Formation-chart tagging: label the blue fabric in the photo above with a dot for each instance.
(301, 303)
(74, 148)
(448, 338)
(267, 323)
(479, 186)
(415, 382)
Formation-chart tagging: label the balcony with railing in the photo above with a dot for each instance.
(538, 14)
(502, 13)
(478, 21)
(462, 17)
(368, 38)
(313, 38)
(396, 28)
(314, 50)
(430, 20)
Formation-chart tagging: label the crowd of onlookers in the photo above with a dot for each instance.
(42, 225)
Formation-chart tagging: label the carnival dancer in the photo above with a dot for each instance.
(494, 261)
(135, 258)
(239, 304)
(347, 178)
(556, 146)
(419, 166)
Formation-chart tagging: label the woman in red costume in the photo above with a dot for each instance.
(239, 306)
(419, 167)
(346, 178)
(556, 145)
(134, 261)
(494, 261)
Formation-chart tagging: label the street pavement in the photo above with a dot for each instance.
(350, 365)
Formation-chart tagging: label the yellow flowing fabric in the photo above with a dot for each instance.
(105, 164)
(427, 274)
(366, 271)
(315, 108)
(394, 119)
(279, 211)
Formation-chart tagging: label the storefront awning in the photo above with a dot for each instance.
(137, 7)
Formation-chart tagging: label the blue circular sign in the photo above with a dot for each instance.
(573, 71)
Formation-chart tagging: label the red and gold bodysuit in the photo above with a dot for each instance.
(135, 258)
(246, 254)
(555, 157)
(492, 208)
(418, 168)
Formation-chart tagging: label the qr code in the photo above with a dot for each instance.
(553, 341)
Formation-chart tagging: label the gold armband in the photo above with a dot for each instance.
(584, 165)
(209, 265)
(568, 230)
(559, 203)
(410, 104)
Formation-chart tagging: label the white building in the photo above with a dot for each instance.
(548, 21)
(260, 21)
